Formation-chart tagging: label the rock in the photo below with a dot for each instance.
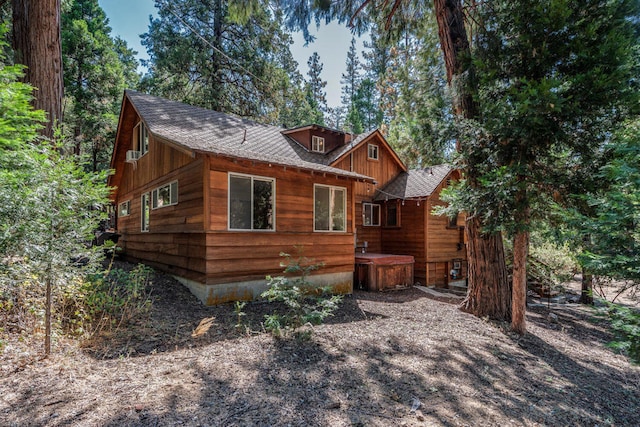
(419, 415)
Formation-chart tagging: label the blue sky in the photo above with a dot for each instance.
(130, 18)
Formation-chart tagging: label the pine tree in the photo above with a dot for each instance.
(97, 69)
(352, 76)
(316, 84)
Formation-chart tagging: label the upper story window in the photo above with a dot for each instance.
(251, 202)
(317, 144)
(165, 195)
(370, 214)
(329, 208)
(124, 208)
(141, 138)
(372, 151)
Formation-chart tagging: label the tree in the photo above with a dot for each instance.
(210, 54)
(97, 69)
(351, 77)
(36, 42)
(316, 84)
(49, 205)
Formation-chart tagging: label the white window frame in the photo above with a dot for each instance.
(317, 144)
(141, 138)
(332, 189)
(373, 222)
(145, 209)
(173, 195)
(376, 152)
(126, 204)
(273, 202)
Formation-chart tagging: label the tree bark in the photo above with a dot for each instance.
(36, 41)
(519, 296)
(47, 317)
(488, 291)
(586, 296)
(488, 294)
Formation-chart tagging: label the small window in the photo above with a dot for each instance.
(392, 214)
(317, 144)
(373, 152)
(141, 138)
(144, 226)
(124, 208)
(167, 195)
(370, 214)
(251, 203)
(329, 208)
(453, 222)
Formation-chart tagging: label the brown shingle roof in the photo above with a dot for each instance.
(203, 130)
(415, 183)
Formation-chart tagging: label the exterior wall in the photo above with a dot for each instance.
(382, 170)
(409, 237)
(237, 261)
(175, 242)
(443, 244)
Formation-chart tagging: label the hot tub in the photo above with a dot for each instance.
(383, 272)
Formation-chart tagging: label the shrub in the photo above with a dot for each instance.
(302, 302)
(108, 300)
(625, 323)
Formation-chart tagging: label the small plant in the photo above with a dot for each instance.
(108, 300)
(302, 302)
(238, 309)
(625, 323)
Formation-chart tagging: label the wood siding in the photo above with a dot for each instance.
(382, 170)
(409, 237)
(250, 255)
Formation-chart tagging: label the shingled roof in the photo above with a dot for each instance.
(415, 183)
(202, 130)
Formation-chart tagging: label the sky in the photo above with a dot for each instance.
(130, 18)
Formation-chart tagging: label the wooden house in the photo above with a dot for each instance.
(214, 199)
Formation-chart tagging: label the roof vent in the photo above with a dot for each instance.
(132, 156)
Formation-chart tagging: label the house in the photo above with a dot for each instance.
(214, 199)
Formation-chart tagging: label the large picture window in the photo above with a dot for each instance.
(330, 208)
(145, 211)
(251, 203)
(166, 195)
(370, 214)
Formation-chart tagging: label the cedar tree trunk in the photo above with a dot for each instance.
(488, 288)
(586, 296)
(36, 41)
(519, 296)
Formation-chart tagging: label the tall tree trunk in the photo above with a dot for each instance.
(488, 288)
(519, 296)
(586, 296)
(47, 317)
(36, 41)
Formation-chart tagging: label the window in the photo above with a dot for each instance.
(144, 225)
(392, 215)
(251, 203)
(124, 208)
(317, 144)
(373, 151)
(141, 138)
(370, 214)
(166, 195)
(329, 213)
(453, 222)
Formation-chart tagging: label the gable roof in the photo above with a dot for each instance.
(340, 152)
(415, 183)
(206, 131)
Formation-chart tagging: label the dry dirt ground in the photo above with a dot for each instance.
(386, 359)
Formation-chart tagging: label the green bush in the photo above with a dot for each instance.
(625, 323)
(302, 302)
(109, 300)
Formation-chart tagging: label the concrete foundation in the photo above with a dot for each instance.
(341, 283)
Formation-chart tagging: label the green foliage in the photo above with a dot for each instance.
(302, 302)
(108, 300)
(97, 69)
(207, 53)
(625, 323)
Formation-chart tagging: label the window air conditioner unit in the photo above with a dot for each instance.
(132, 156)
